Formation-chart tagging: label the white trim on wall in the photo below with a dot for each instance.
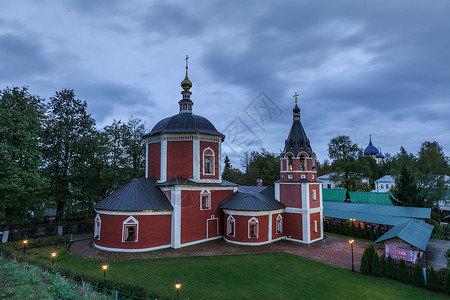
(249, 244)
(205, 193)
(255, 222)
(131, 250)
(97, 227)
(146, 160)
(251, 213)
(135, 213)
(231, 220)
(163, 177)
(212, 162)
(196, 159)
(176, 217)
(125, 225)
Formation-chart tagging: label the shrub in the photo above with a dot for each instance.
(379, 233)
(335, 228)
(417, 277)
(342, 227)
(10, 247)
(403, 272)
(325, 226)
(353, 230)
(447, 252)
(366, 231)
(447, 282)
(365, 266)
(359, 232)
(390, 268)
(372, 233)
(347, 229)
(377, 270)
(433, 282)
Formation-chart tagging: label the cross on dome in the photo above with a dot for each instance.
(295, 97)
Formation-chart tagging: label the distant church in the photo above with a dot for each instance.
(183, 200)
(372, 151)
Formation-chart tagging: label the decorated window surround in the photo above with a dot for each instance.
(279, 224)
(231, 226)
(208, 154)
(130, 222)
(315, 226)
(205, 198)
(97, 227)
(253, 228)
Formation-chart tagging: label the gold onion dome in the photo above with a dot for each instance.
(186, 84)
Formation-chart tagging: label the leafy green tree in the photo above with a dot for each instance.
(403, 160)
(390, 268)
(231, 174)
(406, 191)
(135, 146)
(323, 168)
(377, 269)
(433, 281)
(68, 128)
(403, 274)
(417, 276)
(262, 165)
(21, 184)
(432, 160)
(347, 170)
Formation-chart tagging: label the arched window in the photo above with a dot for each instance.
(230, 226)
(314, 163)
(290, 163)
(97, 227)
(253, 228)
(302, 163)
(279, 224)
(208, 161)
(130, 230)
(205, 199)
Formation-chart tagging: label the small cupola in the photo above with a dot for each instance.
(186, 103)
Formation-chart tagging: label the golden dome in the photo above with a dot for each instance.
(186, 84)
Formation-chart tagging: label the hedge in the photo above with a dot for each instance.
(10, 247)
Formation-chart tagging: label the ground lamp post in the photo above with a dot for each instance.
(351, 242)
(178, 287)
(53, 258)
(25, 242)
(104, 268)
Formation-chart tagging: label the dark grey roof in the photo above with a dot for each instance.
(184, 181)
(297, 140)
(252, 198)
(137, 195)
(414, 232)
(184, 122)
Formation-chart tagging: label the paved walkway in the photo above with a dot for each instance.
(436, 254)
(332, 250)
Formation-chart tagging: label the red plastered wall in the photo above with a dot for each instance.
(179, 159)
(242, 229)
(154, 160)
(290, 195)
(293, 226)
(315, 217)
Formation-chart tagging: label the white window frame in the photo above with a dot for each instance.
(97, 227)
(256, 228)
(279, 224)
(314, 195)
(212, 162)
(231, 222)
(315, 226)
(205, 193)
(126, 225)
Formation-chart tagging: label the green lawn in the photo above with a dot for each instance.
(260, 276)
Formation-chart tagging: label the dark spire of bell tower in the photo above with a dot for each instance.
(297, 140)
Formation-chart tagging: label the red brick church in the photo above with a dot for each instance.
(184, 201)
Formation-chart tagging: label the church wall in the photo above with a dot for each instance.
(154, 160)
(215, 147)
(242, 228)
(197, 223)
(290, 195)
(314, 203)
(179, 159)
(276, 235)
(315, 217)
(153, 231)
(293, 226)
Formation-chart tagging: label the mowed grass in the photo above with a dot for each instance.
(259, 276)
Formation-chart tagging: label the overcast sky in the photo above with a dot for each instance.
(360, 67)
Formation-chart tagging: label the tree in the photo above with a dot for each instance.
(365, 266)
(432, 160)
(447, 281)
(135, 147)
(377, 269)
(433, 282)
(403, 272)
(390, 268)
(366, 231)
(231, 174)
(372, 235)
(406, 191)
(403, 160)
(359, 232)
(344, 154)
(21, 184)
(417, 276)
(68, 127)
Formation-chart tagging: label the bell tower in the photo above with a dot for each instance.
(298, 188)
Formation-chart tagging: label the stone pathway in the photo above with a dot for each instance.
(332, 250)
